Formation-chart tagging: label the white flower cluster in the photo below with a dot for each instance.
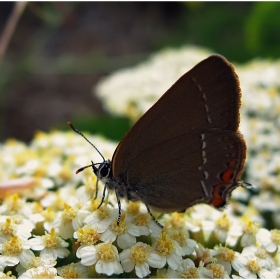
(51, 227)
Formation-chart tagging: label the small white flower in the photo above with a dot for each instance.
(73, 270)
(269, 239)
(69, 220)
(44, 261)
(40, 272)
(50, 243)
(105, 256)
(124, 232)
(264, 258)
(15, 225)
(187, 269)
(140, 256)
(187, 244)
(228, 258)
(217, 270)
(169, 250)
(102, 217)
(15, 251)
(253, 267)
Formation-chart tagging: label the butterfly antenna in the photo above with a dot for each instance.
(79, 132)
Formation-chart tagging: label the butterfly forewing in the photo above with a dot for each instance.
(208, 96)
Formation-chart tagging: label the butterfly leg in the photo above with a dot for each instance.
(150, 212)
(103, 196)
(96, 189)
(119, 205)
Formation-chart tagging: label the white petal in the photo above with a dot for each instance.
(247, 240)
(9, 260)
(271, 247)
(245, 273)
(117, 268)
(88, 255)
(108, 236)
(66, 230)
(138, 230)
(62, 252)
(225, 264)
(25, 257)
(142, 270)
(104, 267)
(127, 264)
(48, 251)
(174, 261)
(237, 265)
(267, 274)
(126, 240)
(36, 244)
(155, 260)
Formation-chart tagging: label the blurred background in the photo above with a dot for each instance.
(58, 51)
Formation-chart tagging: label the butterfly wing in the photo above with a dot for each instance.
(207, 96)
(199, 166)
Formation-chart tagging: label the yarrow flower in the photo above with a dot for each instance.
(228, 258)
(105, 256)
(15, 251)
(73, 270)
(40, 272)
(50, 243)
(169, 250)
(125, 233)
(269, 239)
(140, 256)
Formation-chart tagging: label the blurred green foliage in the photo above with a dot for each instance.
(262, 30)
(113, 128)
(238, 30)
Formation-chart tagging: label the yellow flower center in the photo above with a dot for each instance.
(37, 207)
(66, 172)
(249, 227)
(90, 185)
(12, 247)
(87, 235)
(180, 238)
(226, 254)
(68, 214)
(142, 220)
(254, 266)
(140, 254)
(49, 214)
(7, 228)
(223, 223)
(45, 274)
(164, 245)
(121, 228)
(275, 236)
(94, 203)
(261, 253)
(14, 203)
(176, 220)
(190, 273)
(103, 213)
(50, 239)
(133, 208)
(58, 204)
(217, 269)
(105, 252)
(70, 272)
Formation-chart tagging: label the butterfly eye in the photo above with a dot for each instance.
(104, 170)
